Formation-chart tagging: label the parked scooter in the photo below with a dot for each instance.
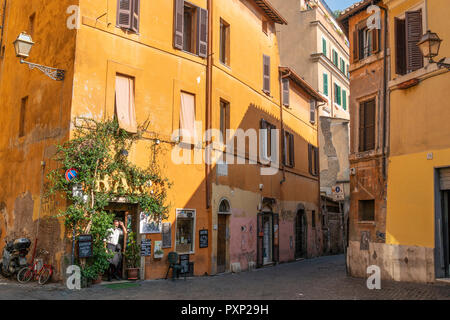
(14, 256)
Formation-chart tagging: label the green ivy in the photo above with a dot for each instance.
(98, 151)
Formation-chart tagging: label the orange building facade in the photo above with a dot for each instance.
(193, 66)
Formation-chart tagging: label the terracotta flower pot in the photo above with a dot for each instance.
(98, 280)
(133, 273)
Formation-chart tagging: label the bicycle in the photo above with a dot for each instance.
(31, 272)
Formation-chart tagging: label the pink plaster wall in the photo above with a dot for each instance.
(287, 240)
(242, 240)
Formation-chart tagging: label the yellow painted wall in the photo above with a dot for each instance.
(418, 125)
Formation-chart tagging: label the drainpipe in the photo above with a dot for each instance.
(208, 118)
(282, 126)
(384, 92)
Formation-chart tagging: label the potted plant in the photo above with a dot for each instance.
(132, 257)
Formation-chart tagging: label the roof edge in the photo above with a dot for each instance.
(302, 83)
(270, 11)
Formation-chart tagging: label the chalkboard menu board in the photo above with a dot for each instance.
(146, 247)
(184, 262)
(166, 235)
(203, 238)
(85, 246)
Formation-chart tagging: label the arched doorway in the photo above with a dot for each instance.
(222, 225)
(300, 234)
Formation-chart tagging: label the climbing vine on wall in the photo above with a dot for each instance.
(99, 152)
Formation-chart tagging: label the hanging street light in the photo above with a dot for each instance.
(23, 45)
(430, 44)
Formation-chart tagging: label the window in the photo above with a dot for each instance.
(285, 83)
(187, 117)
(337, 94)
(185, 231)
(224, 42)
(325, 84)
(224, 206)
(366, 210)
(289, 155)
(23, 110)
(191, 28)
(268, 140)
(125, 103)
(335, 58)
(313, 160)
(266, 74)
(366, 42)
(348, 72)
(324, 47)
(313, 219)
(344, 99)
(342, 65)
(367, 125)
(408, 32)
(128, 14)
(224, 119)
(312, 111)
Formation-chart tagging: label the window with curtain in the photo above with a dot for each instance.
(187, 117)
(125, 103)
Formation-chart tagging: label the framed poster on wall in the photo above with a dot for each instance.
(149, 225)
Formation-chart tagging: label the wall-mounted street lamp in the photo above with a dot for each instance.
(23, 45)
(430, 45)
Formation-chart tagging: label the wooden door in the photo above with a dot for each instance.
(221, 243)
(299, 235)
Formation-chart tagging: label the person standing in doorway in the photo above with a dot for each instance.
(113, 246)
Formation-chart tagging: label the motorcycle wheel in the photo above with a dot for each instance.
(44, 276)
(2, 272)
(24, 275)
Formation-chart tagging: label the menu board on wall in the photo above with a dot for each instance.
(203, 238)
(166, 235)
(85, 246)
(146, 247)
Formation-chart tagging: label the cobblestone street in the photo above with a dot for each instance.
(319, 278)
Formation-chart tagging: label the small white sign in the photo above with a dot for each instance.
(338, 192)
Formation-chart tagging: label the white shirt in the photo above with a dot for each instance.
(114, 236)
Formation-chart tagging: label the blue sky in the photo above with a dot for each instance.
(340, 4)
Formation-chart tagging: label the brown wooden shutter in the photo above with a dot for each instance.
(369, 125)
(178, 24)
(135, 16)
(361, 127)
(259, 237)
(202, 33)
(285, 92)
(284, 153)
(400, 46)
(124, 13)
(276, 237)
(266, 74)
(310, 151)
(312, 111)
(375, 40)
(355, 46)
(291, 150)
(414, 58)
(316, 161)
